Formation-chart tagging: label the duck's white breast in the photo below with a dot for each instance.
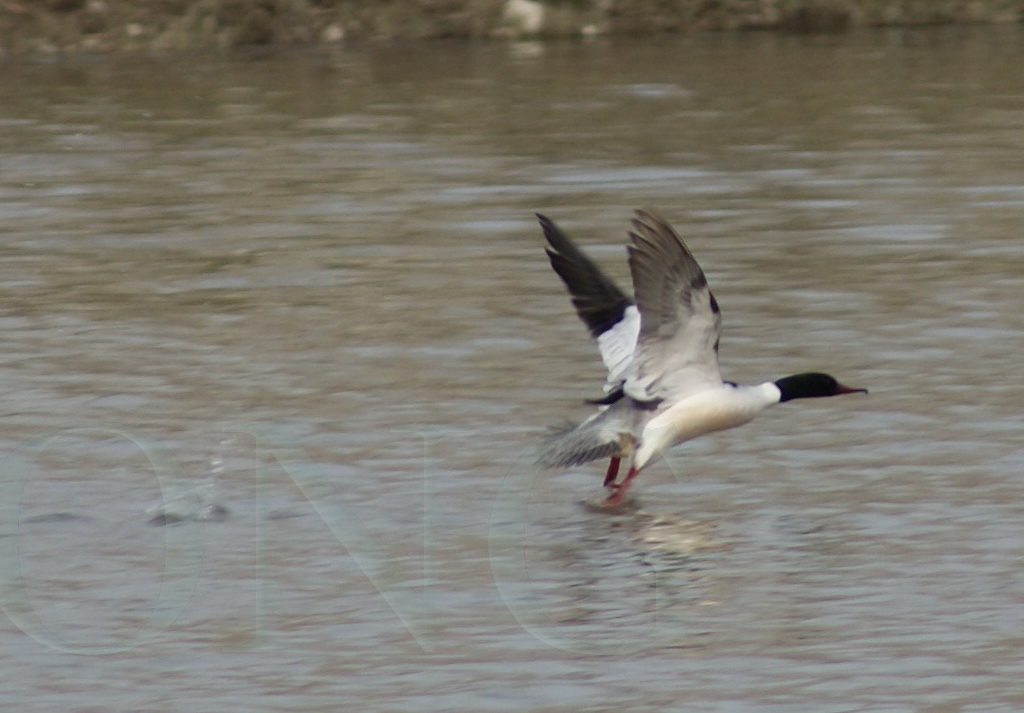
(705, 412)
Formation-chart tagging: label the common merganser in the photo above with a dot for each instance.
(664, 385)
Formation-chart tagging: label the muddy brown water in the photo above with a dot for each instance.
(279, 336)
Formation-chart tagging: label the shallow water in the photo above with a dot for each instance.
(295, 309)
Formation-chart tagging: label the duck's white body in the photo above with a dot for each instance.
(704, 412)
(664, 385)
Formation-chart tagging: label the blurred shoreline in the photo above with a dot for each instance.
(69, 27)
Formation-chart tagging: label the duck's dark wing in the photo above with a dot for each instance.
(607, 312)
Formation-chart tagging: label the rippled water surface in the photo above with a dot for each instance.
(279, 337)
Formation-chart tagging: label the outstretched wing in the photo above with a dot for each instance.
(611, 317)
(680, 323)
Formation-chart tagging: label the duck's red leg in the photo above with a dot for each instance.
(619, 491)
(613, 472)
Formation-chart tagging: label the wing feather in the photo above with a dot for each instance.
(680, 323)
(607, 312)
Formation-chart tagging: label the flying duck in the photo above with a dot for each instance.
(664, 386)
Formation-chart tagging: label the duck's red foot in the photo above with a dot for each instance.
(618, 490)
(614, 504)
(616, 496)
(616, 500)
(612, 473)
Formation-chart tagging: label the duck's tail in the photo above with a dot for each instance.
(603, 435)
